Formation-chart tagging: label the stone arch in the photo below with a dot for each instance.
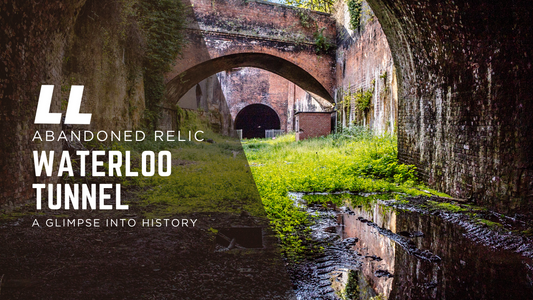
(254, 119)
(454, 61)
(182, 82)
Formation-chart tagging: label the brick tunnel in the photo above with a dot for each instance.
(463, 72)
(465, 95)
(464, 86)
(181, 83)
(254, 119)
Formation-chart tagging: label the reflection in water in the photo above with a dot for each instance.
(408, 255)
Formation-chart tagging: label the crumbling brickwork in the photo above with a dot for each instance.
(235, 33)
(60, 44)
(465, 96)
(364, 65)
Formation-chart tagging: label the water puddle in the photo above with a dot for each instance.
(374, 250)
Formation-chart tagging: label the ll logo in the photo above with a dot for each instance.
(73, 115)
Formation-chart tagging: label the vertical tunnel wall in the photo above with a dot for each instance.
(465, 95)
(364, 65)
(94, 43)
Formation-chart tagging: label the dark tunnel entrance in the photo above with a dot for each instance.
(254, 119)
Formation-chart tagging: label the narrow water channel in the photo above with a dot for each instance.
(373, 250)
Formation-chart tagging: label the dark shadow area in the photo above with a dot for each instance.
(254, 119)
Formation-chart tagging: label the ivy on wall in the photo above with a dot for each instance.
(307, 21)
(355, 7)
(360, 101)
(322, 44)
(363, 100)
(318, 5)
(162, 22)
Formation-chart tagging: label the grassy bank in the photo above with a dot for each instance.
(355, 161)
(206, 177)
(215, 177)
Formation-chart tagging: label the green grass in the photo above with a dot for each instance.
(355, 161)
(447, 206)
(490, 224)
(205, 178)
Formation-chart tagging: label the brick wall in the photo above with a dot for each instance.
(312, 124)
(227, 93)
(245, 86)
(364, 62)
(235, 33)
(60, 44)
(464, 73)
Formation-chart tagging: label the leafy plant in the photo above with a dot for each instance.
(318, 5)
(355, 7)
(360, 99)
(305, 19)
(363, 99)
(322, 45)
(162, 23)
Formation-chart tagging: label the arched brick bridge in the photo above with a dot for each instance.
(226, 34)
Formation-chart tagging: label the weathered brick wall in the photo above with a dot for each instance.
(207, 96)
(60, 44)
(31, 47)
(364, 63)
(307, 102)
(465, 95)
(103, 53)
(227, 93)
(312, 124)
(245, 86)
(237, 33)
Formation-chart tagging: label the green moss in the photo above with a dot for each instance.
(528, 232)
(438, 194)
(447, 206)
(14, 215)
(21, 212)
(490, 224)
(475, 207)
(162, 23)
(62, 216)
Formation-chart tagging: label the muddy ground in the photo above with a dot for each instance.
(136, 262)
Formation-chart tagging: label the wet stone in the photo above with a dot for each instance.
(409, 253)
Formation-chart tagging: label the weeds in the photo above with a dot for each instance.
(447, 206)
(353, 161)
